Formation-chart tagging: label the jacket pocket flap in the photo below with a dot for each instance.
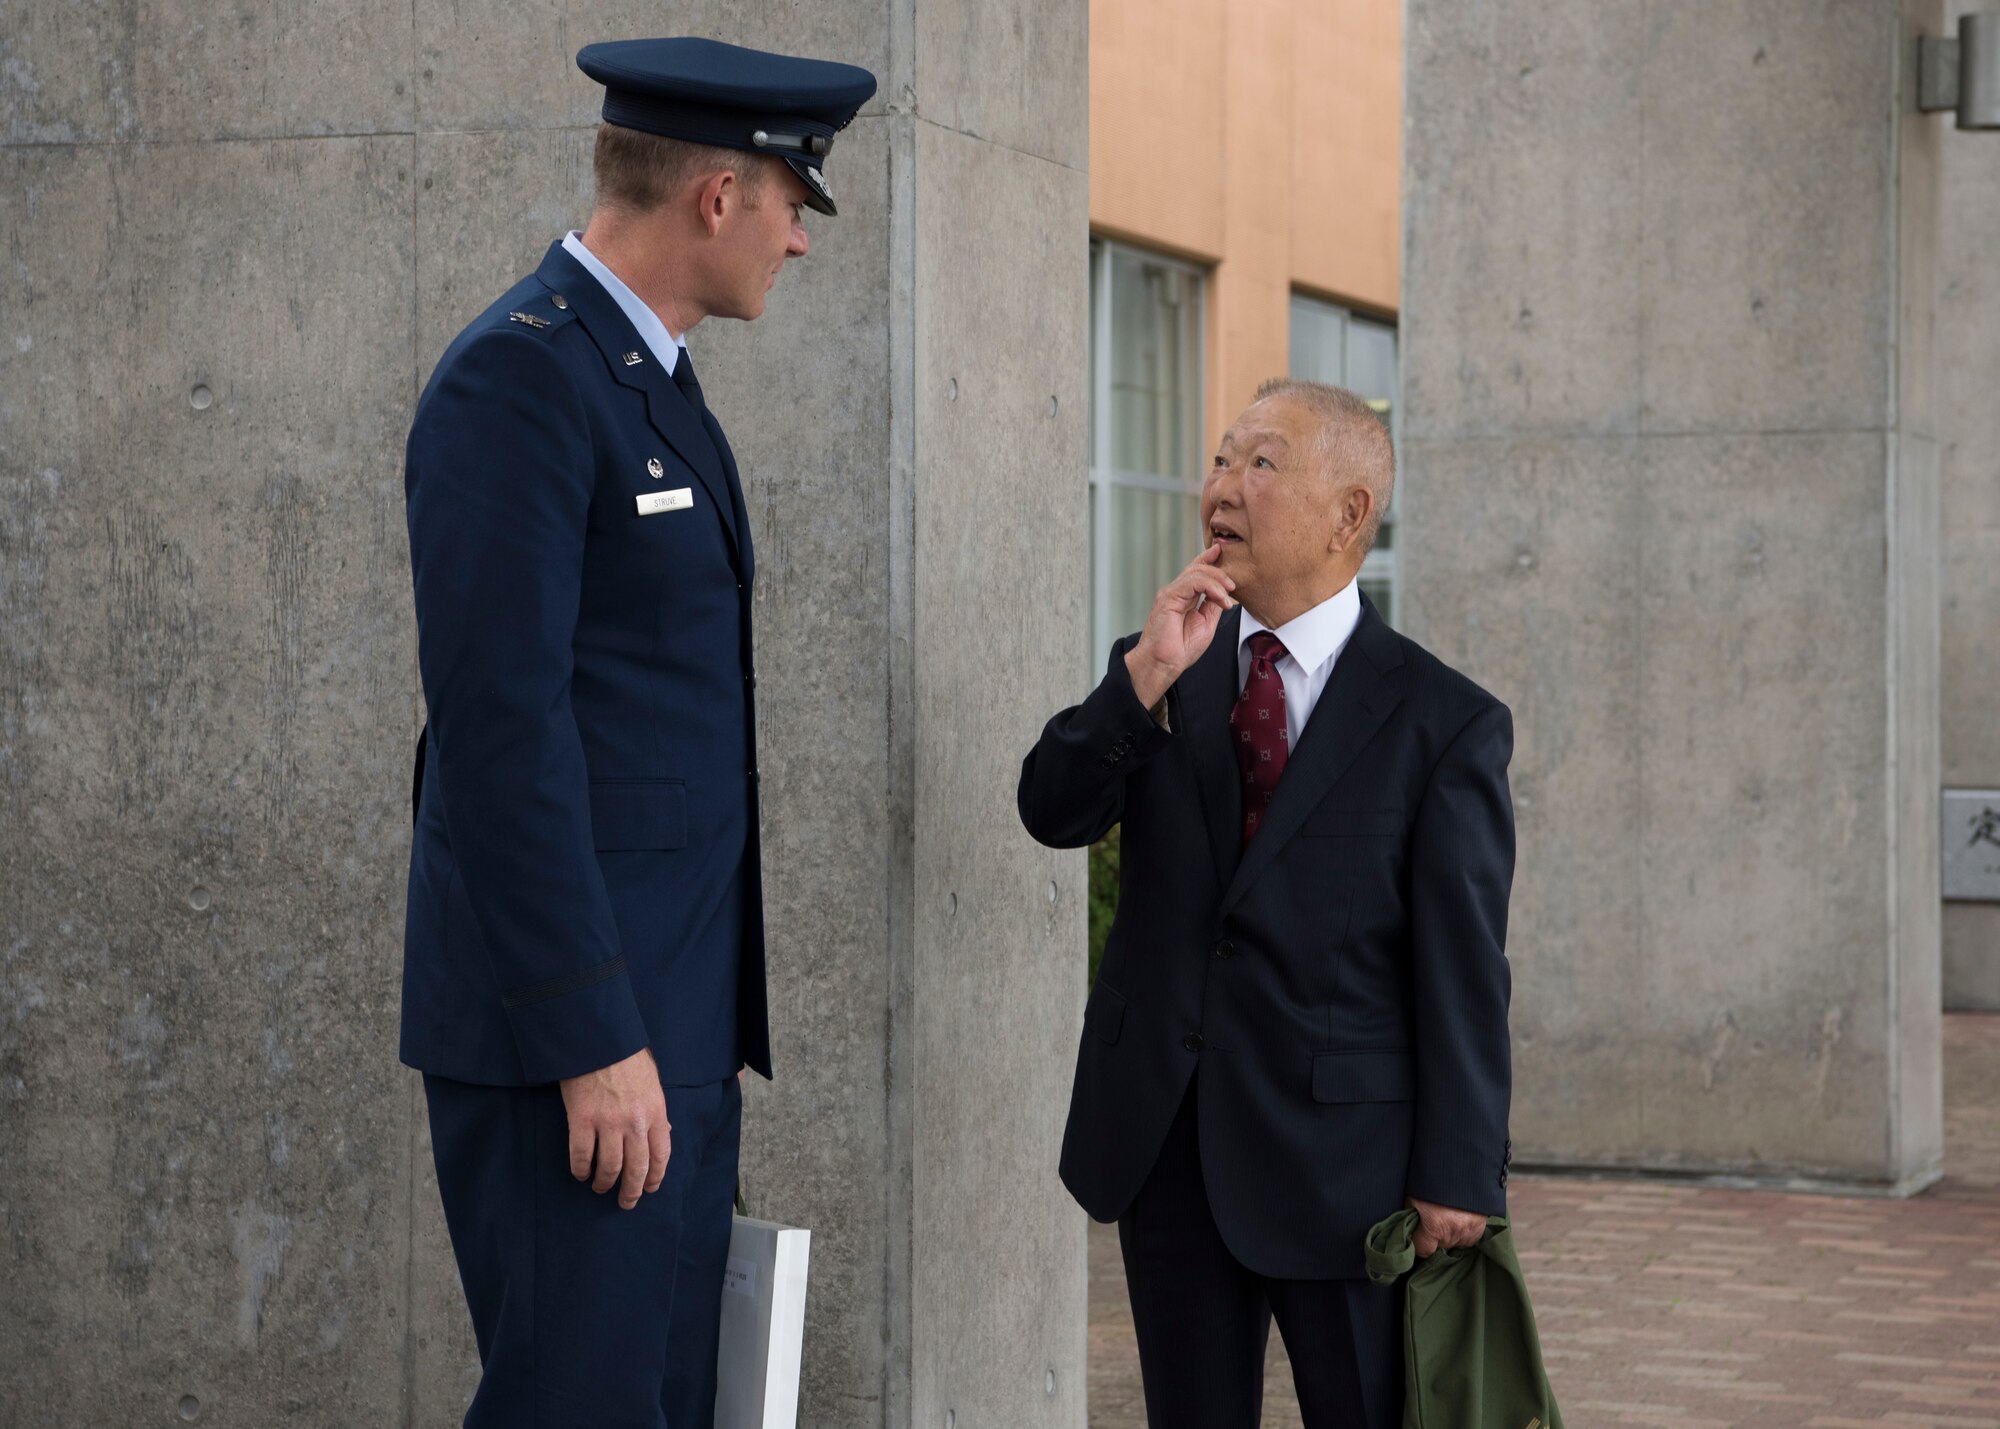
(638, 814)
(1105, 1014)
(1364, 1077)
(1335, 821)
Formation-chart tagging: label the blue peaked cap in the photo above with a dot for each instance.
(706, 92)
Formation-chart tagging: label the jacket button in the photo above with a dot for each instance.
(560, 301)
(1225, 949)
(1192, 1042)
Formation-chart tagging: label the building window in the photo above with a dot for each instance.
(1331, 344)
(1146, 454)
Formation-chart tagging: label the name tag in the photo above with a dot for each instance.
(652, 503)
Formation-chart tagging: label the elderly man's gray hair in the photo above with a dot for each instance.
(1353, 442)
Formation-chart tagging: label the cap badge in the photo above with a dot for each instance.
(654, 469)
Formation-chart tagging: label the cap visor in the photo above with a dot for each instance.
(818, 196)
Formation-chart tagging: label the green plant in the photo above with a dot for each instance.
(1103, 895)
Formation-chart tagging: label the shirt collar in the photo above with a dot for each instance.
(665, 346)
(1319, 634)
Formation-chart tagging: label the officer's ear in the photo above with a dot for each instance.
(720, 192)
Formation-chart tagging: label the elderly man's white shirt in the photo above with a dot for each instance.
(1312, 641)
(665, 347)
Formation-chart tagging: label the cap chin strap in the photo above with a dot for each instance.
(816, 144)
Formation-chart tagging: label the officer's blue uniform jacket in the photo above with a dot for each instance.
(584, 875)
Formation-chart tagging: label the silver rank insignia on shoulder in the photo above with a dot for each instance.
(529, 318)
(632, 359)
(654, 469)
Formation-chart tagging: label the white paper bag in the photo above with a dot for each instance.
(763, 1326)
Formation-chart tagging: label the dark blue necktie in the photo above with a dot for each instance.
(689, 384)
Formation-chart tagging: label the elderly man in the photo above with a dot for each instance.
(1300, 1024)
(583, 972)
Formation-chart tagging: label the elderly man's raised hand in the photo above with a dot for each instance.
(1179, 626)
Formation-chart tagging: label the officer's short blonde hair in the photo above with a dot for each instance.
(1353, 442)
(637, 172)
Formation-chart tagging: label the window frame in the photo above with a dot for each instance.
(1380, 565)
(1105, 478)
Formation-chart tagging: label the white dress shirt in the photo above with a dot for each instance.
(1313, 641)
(665, 347)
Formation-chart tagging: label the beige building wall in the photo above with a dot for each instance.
(1259, 137)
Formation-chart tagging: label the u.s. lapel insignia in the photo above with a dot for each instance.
(654, 469)
(632, 359)
(529, 318)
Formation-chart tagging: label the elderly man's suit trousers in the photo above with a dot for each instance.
(587, 1316)
(1203, 1320)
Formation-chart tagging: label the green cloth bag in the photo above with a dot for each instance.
(1471, 1357)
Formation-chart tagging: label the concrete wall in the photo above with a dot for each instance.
(1259, 136)
(1968, 335)
(236, 240)
(1670, 490)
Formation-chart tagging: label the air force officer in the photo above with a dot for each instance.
(584, 953)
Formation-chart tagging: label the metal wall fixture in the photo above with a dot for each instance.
(1963, 74)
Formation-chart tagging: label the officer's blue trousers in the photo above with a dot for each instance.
(588, 1317)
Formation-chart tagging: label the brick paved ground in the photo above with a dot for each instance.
(1691, 1307)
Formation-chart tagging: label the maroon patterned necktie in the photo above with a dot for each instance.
(1258, 722)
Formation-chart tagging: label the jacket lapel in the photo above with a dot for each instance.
(746, 557)
(1357, 699)
(666, 409)
(1201, 703)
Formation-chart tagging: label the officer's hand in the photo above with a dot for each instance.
(618, 1117)
(1442, 1228)
(1179, 626)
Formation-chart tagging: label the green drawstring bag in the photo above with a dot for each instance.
(1471, 1358)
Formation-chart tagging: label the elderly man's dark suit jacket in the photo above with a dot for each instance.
(1340, 981)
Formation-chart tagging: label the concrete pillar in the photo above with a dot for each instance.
(1968, 338)
(236, 242)
(1672, 492)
